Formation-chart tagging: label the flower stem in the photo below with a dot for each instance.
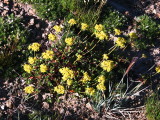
(92, 48)
(112, 50)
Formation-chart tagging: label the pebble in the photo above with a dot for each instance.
(1, 4)
(2, 107)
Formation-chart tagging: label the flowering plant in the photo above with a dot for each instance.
(78, 61)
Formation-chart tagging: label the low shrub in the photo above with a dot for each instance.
(48, 9)
(88, 11)
(112, 19)
(12, 39)
(148, 31)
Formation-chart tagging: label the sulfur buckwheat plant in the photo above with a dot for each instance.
(79, 61)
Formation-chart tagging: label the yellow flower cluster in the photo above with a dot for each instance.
(69, 41)
(29, 89)
(117, 31)
(51, 37)
(158, 69)
(105, 57)
(101, 86)
(101, 35)
(90, 91)
(101, 81)
(59, 89)
(78, 57)
(69, 82)
(133, 35)
(43, 68)
(31, 60)
(107, 65)
(84, 26)
(99, 27)
(57, 28)
(120, 42)
(34, 47)
(86, 77)
(67, 73)
(27, 68)
(72, 22)
(48, 54)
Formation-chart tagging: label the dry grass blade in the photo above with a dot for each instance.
(130, 65)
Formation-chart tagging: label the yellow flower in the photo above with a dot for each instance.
(158, 69)
(105, 57)
(57, 28)
(29, 89)
(69, 41)
(51, 37)
(101, 79)
(67, 73)
(72, 22)
(133, 35)
(98, 27)
(59, 89)
(69, 82)
(34, 47)
(120, 42)
(78, 57)
(90, 91)
(107, 65)
(27, 68)
(117, 31)
(31, 60)
(48, 54)
(43, 68)
(86, 77)
(101, 86)
(101, 35)
(84, 26)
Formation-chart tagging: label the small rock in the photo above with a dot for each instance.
(1, 4)
(45, 105)
(156, 51)
(36, 97)
(16, 9)
(31, 21)
(43, 35)
(154, 11)
(9, 103)
(152, 7)
(46, 95)
(37, 25)
(6, 8)
(2, 107)
(158, 15)
(84, 99)
(127, 13)
(22, 12)
(31, 11)
(6, 1)
(4, 13)
(61, 110)
(16, 5)
(88, 105)
(2, 98)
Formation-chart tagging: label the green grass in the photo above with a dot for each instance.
(153, 107)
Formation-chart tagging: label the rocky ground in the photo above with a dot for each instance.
(71, 106)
